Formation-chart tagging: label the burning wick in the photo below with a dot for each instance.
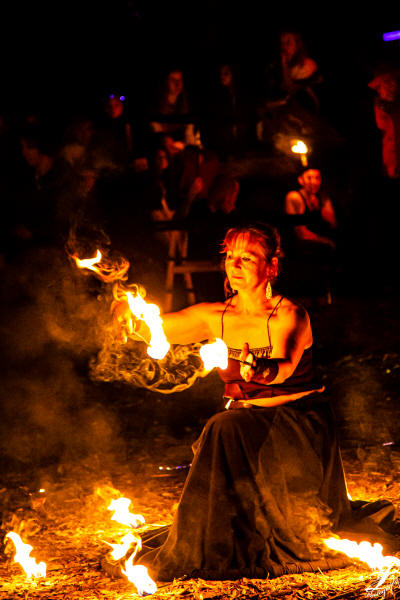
(122, 514)
(28, 563)
(299, 147)
(214, 355)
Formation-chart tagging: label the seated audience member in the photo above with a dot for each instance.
(298, 70)
(316, 207)
(291, 90)
(45, 190)
(113, 137)
(223, 194)
(171, 113)
(387, 118)
(225, 122)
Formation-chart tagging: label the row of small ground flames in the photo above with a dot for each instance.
(122, 555)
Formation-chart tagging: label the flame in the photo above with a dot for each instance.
(366, 552)
(299, 147)
(214, 355)
(122, 514)
(121, 549)
(28, 563)
(150, 314)
(88, 263)
(108, 270)
(138, 575)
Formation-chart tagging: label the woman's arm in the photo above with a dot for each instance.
(192, 324)
(189, 325)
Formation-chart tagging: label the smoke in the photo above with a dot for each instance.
(51, 326)
(129, 363)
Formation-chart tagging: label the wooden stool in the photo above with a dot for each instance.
(179, 264)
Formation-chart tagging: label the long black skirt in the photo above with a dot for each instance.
(265, 488)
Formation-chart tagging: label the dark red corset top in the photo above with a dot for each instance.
(301, 380)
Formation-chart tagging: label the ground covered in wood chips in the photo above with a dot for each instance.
(69, 523)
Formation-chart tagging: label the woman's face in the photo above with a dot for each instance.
(175, 83)
(245, 265)
(288, 45)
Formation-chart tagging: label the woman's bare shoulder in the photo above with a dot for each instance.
(294, 311)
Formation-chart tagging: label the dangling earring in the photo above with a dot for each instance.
(268, 291)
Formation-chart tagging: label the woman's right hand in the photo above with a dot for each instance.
(247, 371)
(123, 319)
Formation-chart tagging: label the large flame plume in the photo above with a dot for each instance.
(370, 554)
(22, 556)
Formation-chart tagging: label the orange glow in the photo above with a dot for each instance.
(214, 355)
(28, 563)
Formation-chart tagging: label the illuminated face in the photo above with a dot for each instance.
(245, 265)
(311, 181)
(114, 107)
(175, 83)
(225, 75)
(161, 160)
(30, 153)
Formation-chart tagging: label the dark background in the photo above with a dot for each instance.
(63, 57)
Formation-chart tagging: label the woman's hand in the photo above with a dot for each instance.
(123, 318)
(247, 372)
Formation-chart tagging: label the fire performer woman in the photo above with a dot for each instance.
(266, 484)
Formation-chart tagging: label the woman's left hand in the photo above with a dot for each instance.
(247, 372)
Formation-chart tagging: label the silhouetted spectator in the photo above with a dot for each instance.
(171, 112)
(387, 118)
(316, 207)
(113, 138)
(290, 100)
(46, 191)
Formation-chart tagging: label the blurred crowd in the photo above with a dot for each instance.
(131, 168)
